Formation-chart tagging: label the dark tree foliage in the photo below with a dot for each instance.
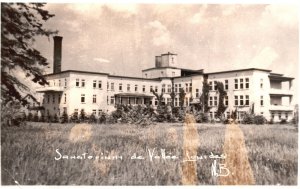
(172, 94)
(222, 94)
(158, 97)
(20, 24)
(204, 96)
(181, 97)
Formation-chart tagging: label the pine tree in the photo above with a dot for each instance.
(221, 106)
(20, 24)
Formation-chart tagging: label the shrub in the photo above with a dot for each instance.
(82, 116)
(74, 118)
(64, 117)
(35, 118)
(259, 120)
(55, 118)
(49, 119)
(283, 121)
(102, 118)
(271, 121)
(248, 119)
(42, 118)
(92, 118)
(29, 117)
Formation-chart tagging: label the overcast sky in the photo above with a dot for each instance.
(124, 39)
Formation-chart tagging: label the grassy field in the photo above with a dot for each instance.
(28, 154)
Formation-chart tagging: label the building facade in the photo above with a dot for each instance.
(264, 92)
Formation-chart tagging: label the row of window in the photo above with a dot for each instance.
(280, 115)
(241, 83)
(241, 100)
(55, 99)
(59, 83)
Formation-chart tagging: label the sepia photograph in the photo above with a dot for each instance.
(149, 94)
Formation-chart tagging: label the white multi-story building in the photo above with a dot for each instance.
(266, 93)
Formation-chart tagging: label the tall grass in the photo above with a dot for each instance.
(27, 154)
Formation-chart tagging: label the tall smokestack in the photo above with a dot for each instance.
(57, 54)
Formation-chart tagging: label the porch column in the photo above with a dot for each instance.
(135, 100)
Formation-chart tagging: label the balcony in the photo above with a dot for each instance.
(281, 108)
(280, 92)
(50, 89)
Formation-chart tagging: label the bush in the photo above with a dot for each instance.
(259, 120)
(49, 119)
(102, 118)
(283, 121)
(64, 117)
(92, 118)
(29, 117)
(82, 116)
(248, 119)
(74, 118)
(271, 122)
(55, 118)
(35, 118)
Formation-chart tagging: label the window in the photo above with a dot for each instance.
(146, 75)
(261, 83)
(120, 86)
(94, 98)
(99, 112)
(75, 111)
(155, 102)
(100, 84)
(226, 84)
(107, 86)
(128, 87)
(197, 93)
(215, 85)
(162, 73)
(163, 89)
(279, 115)
(48, 99)
(83, 83)
(247, 100)
(190, 87)
(77, 82)
(112, 86)
(59, 82)
(247, 83)
(65, 97)
(176, 101)
(144, 88)
(94, 84)
(210, 101)
(173, 74)
(112, 100)
(169, 88)
(261, 100)
(236, 83)
(286, 116)
(186, 87)
(94, 112)
(215, 100)
(236, 100)
(65, 82)
(151, 88)
(169, 100)
(59, 97)
(175, 88)
(210, 85)
(107, 100)
(53, 82)
(273, 115)
(241, 83)
(156, 88)
(136, 88)
(241, 100)
(226, 100)
(82, 98)
(53, 98)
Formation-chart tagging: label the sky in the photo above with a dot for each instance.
(123, 39)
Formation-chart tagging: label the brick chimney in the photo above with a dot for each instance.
(57, 54)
